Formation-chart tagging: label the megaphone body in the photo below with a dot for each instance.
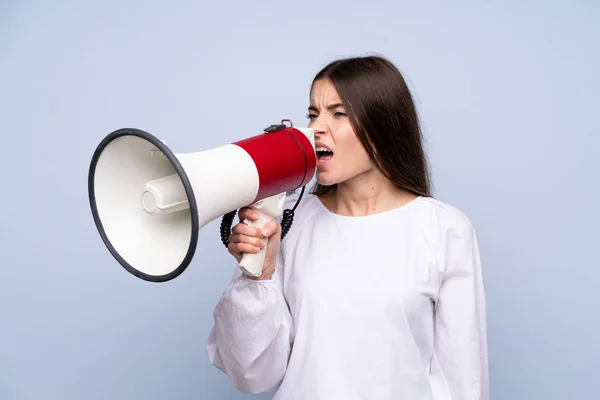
(149, 203)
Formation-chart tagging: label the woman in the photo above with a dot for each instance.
(376, 292)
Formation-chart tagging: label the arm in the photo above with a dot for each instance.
(460, 319)
(252, 334)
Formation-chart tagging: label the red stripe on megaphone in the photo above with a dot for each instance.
(285, 160)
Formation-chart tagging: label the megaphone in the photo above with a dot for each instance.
(149, 203)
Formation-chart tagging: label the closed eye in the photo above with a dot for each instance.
(311, 116)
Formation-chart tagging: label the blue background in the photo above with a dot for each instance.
(508, 93)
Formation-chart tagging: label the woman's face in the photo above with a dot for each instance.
(340, 155)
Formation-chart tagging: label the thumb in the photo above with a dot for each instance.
(270, 228)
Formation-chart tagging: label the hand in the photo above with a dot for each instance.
(247, 239)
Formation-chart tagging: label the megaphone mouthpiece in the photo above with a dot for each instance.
(164, 195)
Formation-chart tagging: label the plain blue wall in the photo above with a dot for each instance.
(509, 96)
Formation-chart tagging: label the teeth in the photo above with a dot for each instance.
(321, 148)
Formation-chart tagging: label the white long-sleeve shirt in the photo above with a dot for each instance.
(386, 306)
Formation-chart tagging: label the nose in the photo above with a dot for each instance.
(319, 127)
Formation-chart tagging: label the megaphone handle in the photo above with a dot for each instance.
(252, 263)
(267, 209)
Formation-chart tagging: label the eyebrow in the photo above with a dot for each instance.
(329, 107)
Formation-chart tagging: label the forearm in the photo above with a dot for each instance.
(251, 337)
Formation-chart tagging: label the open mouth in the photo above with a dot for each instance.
(323, 154)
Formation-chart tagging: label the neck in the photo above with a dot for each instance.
(366, 195)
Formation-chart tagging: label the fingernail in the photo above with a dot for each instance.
(266, 231)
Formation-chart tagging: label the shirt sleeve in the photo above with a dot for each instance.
(252, 334)
(461, 353)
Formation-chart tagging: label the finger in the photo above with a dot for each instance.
(239, 248)
(270, 228)
(237, 238)
(232, 248)
(244, 229)
(247, 213)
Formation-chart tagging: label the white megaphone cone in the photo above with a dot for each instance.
(149, 203)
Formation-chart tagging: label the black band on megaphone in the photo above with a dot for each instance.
(105, 145)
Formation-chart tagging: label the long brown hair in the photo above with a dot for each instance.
(383, 114)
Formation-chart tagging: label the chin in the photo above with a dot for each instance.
(325, 179)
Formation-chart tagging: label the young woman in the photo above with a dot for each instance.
(376, 292)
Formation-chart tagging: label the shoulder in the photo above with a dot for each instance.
(304, 204)
(450, 233)
(442, 224)
(442, 214)
(304, 209)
